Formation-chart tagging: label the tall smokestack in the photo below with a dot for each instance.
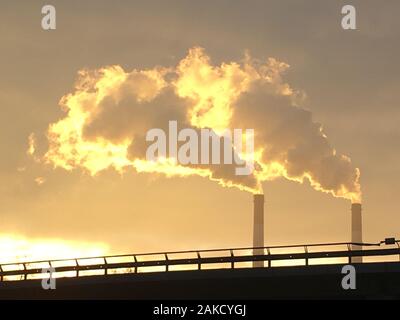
(258, 228)
(356, 229)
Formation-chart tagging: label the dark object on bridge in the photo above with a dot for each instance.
(390, 241)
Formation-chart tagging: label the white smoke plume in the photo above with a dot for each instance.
(110, 111)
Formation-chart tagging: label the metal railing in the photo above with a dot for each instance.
(231, 258)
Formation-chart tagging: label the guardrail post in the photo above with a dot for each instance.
(105, 266)
(306, 252)
(51, 275)
(166, 262)
(25, 271)
(399, 248)
(269, 258)
(77, 267)
(199, 262)
(136, 268)
(232, 262)
(350, 253)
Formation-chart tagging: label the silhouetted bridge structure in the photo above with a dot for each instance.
(297, 271)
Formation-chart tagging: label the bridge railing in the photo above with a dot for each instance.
(342, 252)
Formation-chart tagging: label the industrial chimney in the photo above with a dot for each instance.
(356, 229)
(258, 228)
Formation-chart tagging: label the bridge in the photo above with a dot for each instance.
(294, 271)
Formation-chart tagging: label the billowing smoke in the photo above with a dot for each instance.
(110, 112)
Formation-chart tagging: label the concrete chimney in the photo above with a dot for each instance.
(356, 229)
(258, 228)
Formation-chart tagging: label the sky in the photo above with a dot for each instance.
(348, 80)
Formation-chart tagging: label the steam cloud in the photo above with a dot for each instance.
(110, 111)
